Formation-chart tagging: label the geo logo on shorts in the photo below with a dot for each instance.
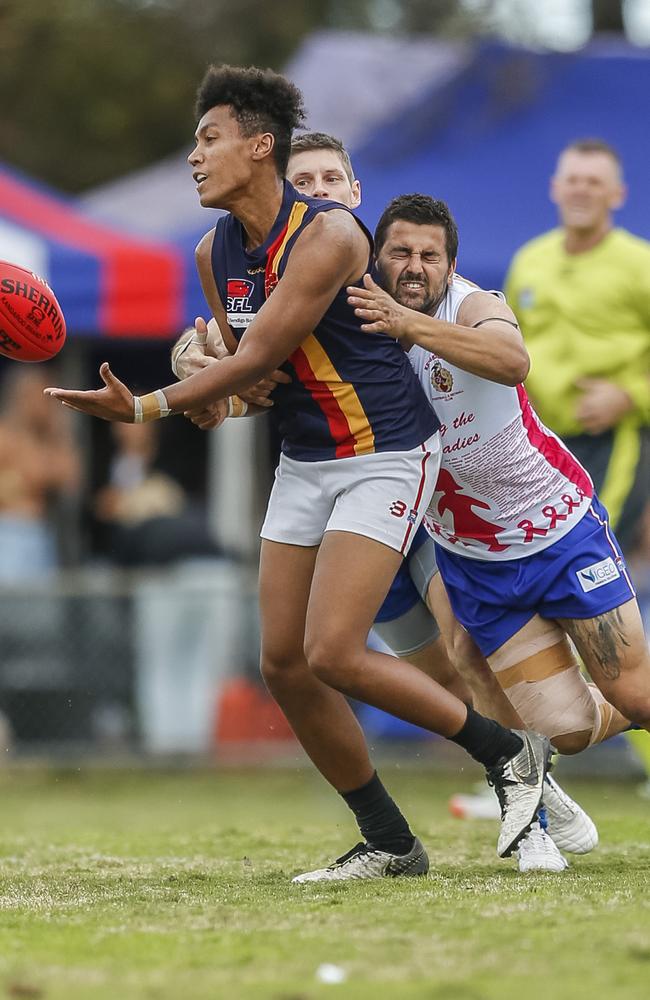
(598, 574)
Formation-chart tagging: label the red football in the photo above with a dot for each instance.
(32, 325)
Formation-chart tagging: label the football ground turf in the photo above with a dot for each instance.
(153, 885)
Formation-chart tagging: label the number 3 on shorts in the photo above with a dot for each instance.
(398, 508)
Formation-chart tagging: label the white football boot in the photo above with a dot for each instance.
(567, 823)
(536, 852)
(364, 861)
(519, 783)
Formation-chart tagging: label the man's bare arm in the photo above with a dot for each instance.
(332, 252)
(221, 340)
(202, 342)
(211, 344)
(484, 341)
(197, 343)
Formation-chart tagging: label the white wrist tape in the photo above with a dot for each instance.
(237, 407)
(153, 406)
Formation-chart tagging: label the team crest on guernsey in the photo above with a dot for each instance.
(239, 293)
(239, 306)
(441, 377)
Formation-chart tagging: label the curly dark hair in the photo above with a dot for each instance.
(423, 211)
(260, 101)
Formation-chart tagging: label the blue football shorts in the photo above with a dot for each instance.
(582, 575)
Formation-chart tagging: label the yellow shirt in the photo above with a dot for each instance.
(585, 314)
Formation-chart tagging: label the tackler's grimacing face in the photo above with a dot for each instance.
(413, 265)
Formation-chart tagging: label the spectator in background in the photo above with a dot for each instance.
(581, 294)
(147, 513)
(39, 469)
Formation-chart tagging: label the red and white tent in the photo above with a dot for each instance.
(108, 284)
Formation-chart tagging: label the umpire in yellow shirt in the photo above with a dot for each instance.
(581, 294)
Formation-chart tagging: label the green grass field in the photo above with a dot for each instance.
(139, 884)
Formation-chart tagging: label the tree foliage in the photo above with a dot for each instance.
(93, 89)
(101, 87)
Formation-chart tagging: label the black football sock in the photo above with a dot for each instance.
(380, 821)
(485, 740)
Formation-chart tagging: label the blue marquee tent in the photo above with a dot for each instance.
(487, 143)
(486, 138)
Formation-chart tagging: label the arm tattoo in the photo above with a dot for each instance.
(601, 641)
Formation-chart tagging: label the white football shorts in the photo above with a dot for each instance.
(382, 496)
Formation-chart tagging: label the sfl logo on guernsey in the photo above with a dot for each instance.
(239, 293)
(598, 574)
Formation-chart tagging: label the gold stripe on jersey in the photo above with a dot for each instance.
(295, 221)
(344, 394)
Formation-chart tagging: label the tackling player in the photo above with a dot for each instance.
(360, 456)
(523, 544)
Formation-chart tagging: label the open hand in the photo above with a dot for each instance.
(378, 310)
(113, 402)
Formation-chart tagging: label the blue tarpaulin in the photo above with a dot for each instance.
(487, 143)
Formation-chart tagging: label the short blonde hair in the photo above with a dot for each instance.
(321, 140)
(594, 146)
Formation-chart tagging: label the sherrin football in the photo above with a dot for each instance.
(32, 325)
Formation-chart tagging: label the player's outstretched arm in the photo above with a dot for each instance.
(484, 341)
(332, 252)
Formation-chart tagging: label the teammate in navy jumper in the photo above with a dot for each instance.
(359, 463)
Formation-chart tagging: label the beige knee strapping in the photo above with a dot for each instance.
(606, 713)
(559, 705)
(536, 635)
(539, 673)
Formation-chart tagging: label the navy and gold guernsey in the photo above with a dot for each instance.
(351, 393)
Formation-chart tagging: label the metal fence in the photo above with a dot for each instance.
(132, 661)
(112, 663)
